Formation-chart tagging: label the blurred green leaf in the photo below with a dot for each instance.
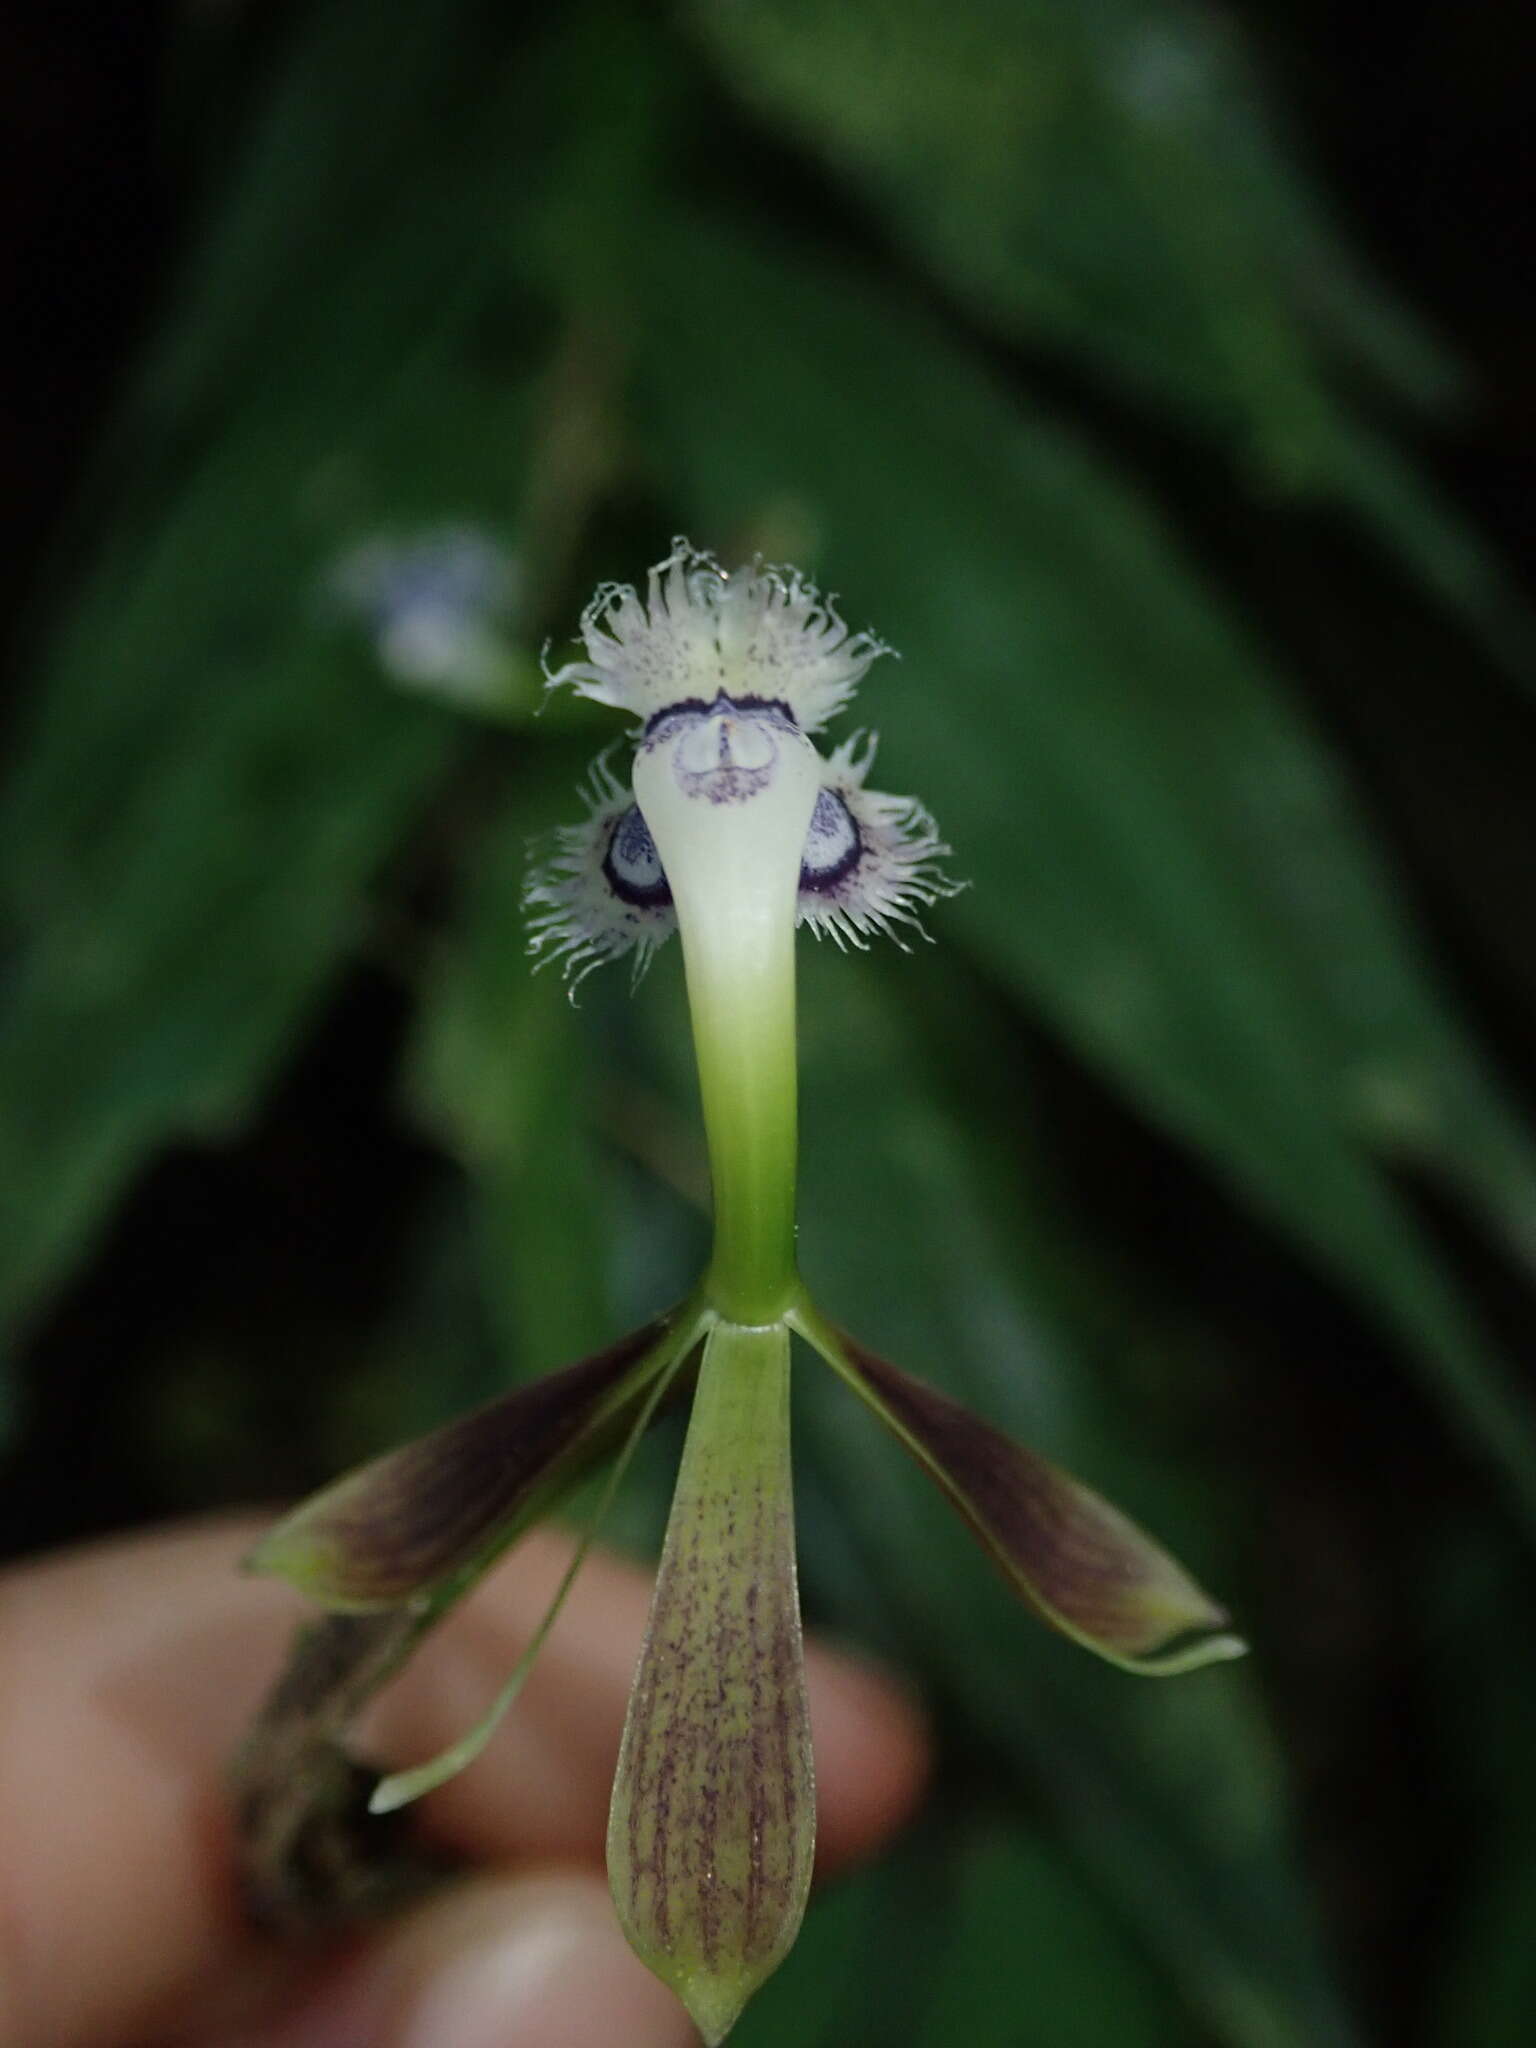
(1106, 180)
(169, 981)
(1484, 1673)
(1493, 1987)
(1036, 1961)
(215, 774)
(216, 769)
(345, 179)
(505, 1078)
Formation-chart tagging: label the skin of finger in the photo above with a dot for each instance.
(537, 1959)
(120, 1669)
(128, 1672)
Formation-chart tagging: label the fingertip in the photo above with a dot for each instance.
(538, 1959)
(872, 1753)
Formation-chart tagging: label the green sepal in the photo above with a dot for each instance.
(711, 1834)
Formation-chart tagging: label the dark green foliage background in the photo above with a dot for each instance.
(1199, 1149)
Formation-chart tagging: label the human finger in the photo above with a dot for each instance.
(537, 1959)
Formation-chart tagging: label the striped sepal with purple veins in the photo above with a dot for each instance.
(712, 1830)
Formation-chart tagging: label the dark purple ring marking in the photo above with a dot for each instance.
(771, 709)
(834, 845)
(632, 865)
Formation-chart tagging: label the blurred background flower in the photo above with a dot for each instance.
(436, 604)
(1157, 380)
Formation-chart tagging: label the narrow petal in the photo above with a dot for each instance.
(403, 1786)
(1085, 1568)
(712, 1830)
(402, 1524)
(757, 633)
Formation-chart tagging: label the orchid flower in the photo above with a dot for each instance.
(731, 828)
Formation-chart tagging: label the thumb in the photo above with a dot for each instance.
(533, 1961)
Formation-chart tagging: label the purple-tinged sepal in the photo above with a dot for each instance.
(1080, 1563)
(711, 1835)
(406, 1524)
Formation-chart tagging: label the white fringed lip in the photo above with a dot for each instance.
(727, 674)
(755, 635)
